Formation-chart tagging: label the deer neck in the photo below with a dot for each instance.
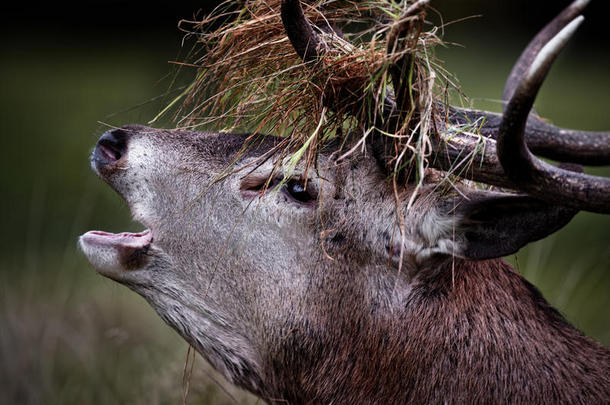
(480, 331)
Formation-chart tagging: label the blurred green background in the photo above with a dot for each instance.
(68, 71)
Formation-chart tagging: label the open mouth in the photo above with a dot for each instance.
(112, 253)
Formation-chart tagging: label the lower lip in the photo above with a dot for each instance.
(124, 239)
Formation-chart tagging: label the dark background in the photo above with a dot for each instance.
(111, 19)
(70, 70)
(126, 16)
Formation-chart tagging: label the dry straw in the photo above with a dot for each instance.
(251, 79)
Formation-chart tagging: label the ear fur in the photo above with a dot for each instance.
(494, 225)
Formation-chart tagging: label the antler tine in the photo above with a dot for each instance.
(399, 70)
(583, 147)
(540, 40)
(544, 139)
(307, 45)
(530, 174)
(300, 32)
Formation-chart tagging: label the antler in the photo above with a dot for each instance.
(540, 40)
(584, 147)
(544, 139)
(400, 69)
(532, 175)
(509, 163)
(300, 32)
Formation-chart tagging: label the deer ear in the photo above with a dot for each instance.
(494, 225)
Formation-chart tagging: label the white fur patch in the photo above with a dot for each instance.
(143, 163)
(431, 233)
(105, 259)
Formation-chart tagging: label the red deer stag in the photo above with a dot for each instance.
(311, 294)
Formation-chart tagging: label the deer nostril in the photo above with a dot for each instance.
(111, 147)
(109, 150)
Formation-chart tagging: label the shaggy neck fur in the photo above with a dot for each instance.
(481, 335)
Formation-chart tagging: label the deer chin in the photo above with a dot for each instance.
(112, 255)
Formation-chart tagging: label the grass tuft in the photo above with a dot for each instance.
(250, 79)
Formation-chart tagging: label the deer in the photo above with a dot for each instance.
(297, 285)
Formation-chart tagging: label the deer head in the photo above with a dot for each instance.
(297, 284)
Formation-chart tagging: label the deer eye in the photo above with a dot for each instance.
(299, 192)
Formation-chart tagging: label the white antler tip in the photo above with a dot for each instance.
(549, 52)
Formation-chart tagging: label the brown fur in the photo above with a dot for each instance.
(483, 335)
